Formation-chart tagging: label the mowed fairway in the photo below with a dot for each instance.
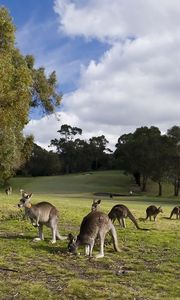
(148, 266)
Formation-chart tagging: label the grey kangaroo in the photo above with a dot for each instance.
(153, 211)
(95, 224)
(43, 213)
(175, 211)
(120, 212)
(8, 190)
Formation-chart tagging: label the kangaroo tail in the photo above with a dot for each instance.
(60, 237)
(132, 218)
(114, 237)
(171, 215)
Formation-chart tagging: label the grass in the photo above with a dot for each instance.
(146, 268)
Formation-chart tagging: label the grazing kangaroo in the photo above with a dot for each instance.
(153, 211)
(95, 224)
(120, 212)
(43, 213)
(8, 190)
(175, 211)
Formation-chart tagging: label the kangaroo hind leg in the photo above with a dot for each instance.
(101, 253)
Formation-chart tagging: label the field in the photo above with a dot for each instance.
(146, 268)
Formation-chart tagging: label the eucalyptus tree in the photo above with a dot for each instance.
(66, 146)
(22, 87)
(174, 158)
(98, 149)
(136, 152)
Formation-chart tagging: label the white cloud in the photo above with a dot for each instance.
(113, 20)
(136, 82)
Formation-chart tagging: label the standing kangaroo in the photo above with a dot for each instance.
(8, 190)
(175, 211)
(43, 213)
(120, 212)
(153, 211)
(95, 224)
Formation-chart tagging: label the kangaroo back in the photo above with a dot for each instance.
(95, 224)
(121, 211)
(153, 211)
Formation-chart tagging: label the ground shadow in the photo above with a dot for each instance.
(12, 236)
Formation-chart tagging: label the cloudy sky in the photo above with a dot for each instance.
(117, 62)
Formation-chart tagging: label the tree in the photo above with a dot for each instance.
(98, 147)
(162, 161)
(22, 86)
(174, 158)
(41, 163)
(66, 146)
(135, 152)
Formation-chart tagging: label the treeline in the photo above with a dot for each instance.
(146, 154)
(72, 155)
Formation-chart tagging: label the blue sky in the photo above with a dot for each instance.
(38, 34)
(117, 62)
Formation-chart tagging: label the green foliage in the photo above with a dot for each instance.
(7, 30)
(41, 163)
(152, 155)
(80, 155)
(21, 86)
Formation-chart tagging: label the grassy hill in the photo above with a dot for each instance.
(85, 183)
(91, 182)
(147, 267)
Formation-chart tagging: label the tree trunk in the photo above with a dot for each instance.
(160, 189)
(176, 188)
(144, 182)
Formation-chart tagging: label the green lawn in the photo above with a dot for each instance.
(146, 268)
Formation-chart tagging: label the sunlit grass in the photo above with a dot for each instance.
(146, 268)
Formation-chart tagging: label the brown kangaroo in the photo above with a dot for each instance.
(95, 224)
(43, 213)
(153, 211)
(120, 212)
(175, 211)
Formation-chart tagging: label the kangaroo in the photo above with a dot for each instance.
(43, 213)
(8, 190)
(120, 212)
(175, 211)
(95, 224)
(153, 211)
(95, 205)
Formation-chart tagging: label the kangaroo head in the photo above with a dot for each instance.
(25, 200)
(160, 209)
(95, 205)
(72, 245)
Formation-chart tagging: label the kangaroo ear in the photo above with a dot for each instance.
(30, 196)
(99, 201)
(75, 239)
(27, 196)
